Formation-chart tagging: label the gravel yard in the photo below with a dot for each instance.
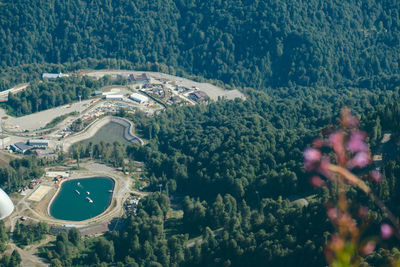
(39, 119)
(212, 91)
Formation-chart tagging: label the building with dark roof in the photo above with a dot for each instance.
(19, 147)
(198, 96)
(144, 77)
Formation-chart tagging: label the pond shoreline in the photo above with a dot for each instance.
(114, 182)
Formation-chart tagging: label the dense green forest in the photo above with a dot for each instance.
(43, 95)
(21, 172)
(240, 173)
(235, 168)
(246, 43)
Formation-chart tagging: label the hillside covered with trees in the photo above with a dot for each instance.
(235, 168)
(251, 44)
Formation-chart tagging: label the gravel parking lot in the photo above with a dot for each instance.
(39, 119)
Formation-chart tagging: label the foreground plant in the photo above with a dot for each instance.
(346, 150)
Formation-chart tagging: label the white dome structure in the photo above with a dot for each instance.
(6, 205)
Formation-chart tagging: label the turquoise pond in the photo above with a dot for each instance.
(82, 199)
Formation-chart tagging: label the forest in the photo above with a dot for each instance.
(239, 190)
(234, 167)
(257, 44)
(43, 95)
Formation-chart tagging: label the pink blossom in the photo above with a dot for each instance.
(323, 168)
(318, 143)
(376, 176)
(348, 120)
(363, 212)
(360, 160)
(368, 248)
(336, 141)
(386, 231)
(311, 158)
(317, 182)
(333, 213)
(337, 242)
(356, 142)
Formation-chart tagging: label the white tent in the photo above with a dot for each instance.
(6, 205)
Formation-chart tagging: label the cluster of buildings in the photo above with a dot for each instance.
(34, 182)
(174, 100)
(57, 180)
(174, 94)
(23, 148)
(156, 90)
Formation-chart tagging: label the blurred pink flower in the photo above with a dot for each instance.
(311, 157)
(317, 182)
(336, 140)
(376, 176)
(386, 231)
(348, 120)
(356, 142)
(368, 248)
(318, 143)
(363, 212)
(323, 168)
(333, 213)
(336, 242)
(360, 160)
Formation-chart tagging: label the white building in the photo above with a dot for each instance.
(4, 140)
(53, 75)
(139, 98)
(6, 205)
(39, 143)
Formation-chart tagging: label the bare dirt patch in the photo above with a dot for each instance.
(39, 193)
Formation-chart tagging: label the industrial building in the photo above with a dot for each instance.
(114, 97)
(139, 98)
(198, 96)
(19, 147)
(144, 77)
(4, 140)
(39, 143)
(6, 205)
